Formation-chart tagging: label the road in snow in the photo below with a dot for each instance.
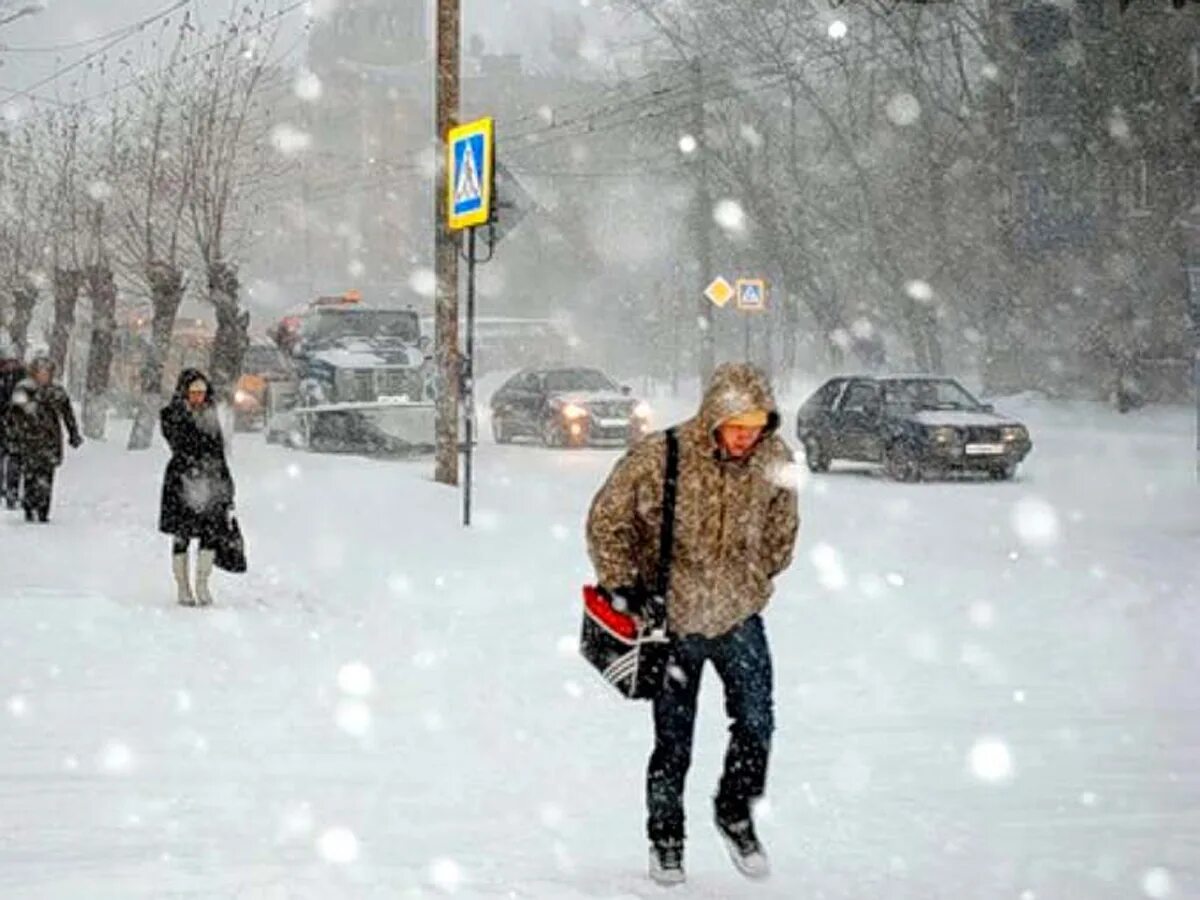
(984, 690)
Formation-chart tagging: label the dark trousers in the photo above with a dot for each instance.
(743, 661)
(39, 487)
(10, 477)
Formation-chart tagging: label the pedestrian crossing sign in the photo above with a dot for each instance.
(470, 163)
(751, 294)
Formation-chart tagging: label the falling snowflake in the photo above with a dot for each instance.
(919, 290)
(1157, 883)
(567, 645)
(446, 874)
(991, 761)
(338, 845)
(730, 216)
(752, 136)
(116, 758)
(688, 145)
(18, 706)
(356, 680)
(837, 29)
(1035, 522)
(100, 191)
(423, 281)
(828, 563)
(353, 717)
(551, 816)
(308, 86)
(903, 109)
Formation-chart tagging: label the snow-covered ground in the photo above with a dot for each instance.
(984, 690)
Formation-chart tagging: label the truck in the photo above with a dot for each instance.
(361, 380)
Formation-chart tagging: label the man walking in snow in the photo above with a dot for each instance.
(736, 522)
(12, 373)
(40, 411)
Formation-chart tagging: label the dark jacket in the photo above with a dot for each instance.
(12, 373)
(197, 493)
(36, 419)
(735, 522)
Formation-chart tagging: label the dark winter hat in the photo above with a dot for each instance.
(187, 378)
(42, 364)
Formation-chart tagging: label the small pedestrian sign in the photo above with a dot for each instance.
(751, 294)
(470, 165)
(719, 292)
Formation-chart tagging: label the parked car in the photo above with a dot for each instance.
(567, 407)
(912, 425)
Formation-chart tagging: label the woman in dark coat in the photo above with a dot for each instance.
(197, 494)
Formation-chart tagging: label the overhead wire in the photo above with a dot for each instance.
(119, 36)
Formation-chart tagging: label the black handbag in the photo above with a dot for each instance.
(633, 659)
(231, 548)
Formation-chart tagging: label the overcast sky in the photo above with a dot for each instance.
(521, 26)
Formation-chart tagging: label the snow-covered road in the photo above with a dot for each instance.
(984, 690)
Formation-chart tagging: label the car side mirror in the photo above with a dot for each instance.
(626, 390)
(989, 407)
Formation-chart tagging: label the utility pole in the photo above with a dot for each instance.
(449, 24)
(702, 226)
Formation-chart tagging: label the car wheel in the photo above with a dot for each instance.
(815, 456)
(1003, 473)
(902, 463)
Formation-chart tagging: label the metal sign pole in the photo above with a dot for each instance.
(469, 380)
(1193, 274)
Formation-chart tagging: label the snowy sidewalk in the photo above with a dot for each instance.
(984, 690)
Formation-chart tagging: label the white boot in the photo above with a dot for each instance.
(204, 567)
(179, 565)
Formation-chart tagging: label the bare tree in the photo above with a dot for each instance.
(99, 273)
(226, 155)
(21, 233)
(155, 194)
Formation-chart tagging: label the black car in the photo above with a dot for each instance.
(913, 425)
(568, 407)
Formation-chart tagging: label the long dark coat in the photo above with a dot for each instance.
(36, 423)
(198, 491)
(12, 373)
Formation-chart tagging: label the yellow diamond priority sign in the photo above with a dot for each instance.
(720, 291)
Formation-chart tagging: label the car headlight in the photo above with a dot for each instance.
(574, 411)
(642, 411)
(943, 435)
(1013, 433)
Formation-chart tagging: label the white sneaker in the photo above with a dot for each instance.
(666, 863)
(744, 848)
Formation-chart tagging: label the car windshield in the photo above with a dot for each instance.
(336, 326)
(578, 380)
(926, 393)
(263, 361)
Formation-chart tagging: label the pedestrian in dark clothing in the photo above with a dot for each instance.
(197, 493)
(735, 530)
(40, 410)
(12, 373)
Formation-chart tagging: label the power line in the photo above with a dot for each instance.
(76, 45)
(120, 36)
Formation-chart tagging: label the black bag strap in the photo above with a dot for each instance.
(666, 535)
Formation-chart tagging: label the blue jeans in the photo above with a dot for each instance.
(743, 661)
